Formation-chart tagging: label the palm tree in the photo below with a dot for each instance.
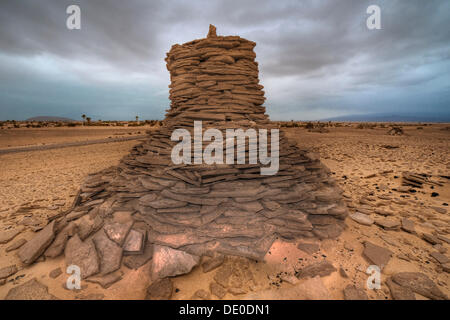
(88, 121)
(137, 119)
(84, 118)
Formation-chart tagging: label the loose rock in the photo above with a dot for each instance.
(376, 255)
(31, 250)
(217, 290)
(30, 290)
(321, 269)
(309, 248)
(109, 253)
(55, 273)
(213, 263)
(353, 293)
(83, 255)
(8, 271)
(362, 218)
(168, 262)
(419, 283)
(160, 290)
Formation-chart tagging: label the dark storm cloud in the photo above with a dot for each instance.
(120, 33)
(316, 57)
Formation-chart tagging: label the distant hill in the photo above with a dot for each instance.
(390, 117)
(49, 118)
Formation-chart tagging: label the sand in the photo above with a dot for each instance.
(366, 163)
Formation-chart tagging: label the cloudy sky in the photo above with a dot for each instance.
(317, 58)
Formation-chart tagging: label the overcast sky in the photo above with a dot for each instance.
(317, 58)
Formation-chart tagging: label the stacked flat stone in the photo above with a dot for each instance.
(214, 80)
(201, 209)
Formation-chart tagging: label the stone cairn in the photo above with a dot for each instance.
(149, 206)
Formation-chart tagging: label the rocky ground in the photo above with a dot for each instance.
(403, 229)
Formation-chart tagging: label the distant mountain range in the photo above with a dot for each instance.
(391, 117)
(49, 118)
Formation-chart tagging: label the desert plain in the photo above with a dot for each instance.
(409, 223)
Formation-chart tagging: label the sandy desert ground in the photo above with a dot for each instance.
(367, 163)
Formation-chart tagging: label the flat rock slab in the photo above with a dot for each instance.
(441, 258)
(431, 238)
(30, 290)
(445, 239)
(362, 218)
(75, 215)
(137, 261)
(58, 245)
(408, 225)
(90, 296)
(118, 232)
(16, 245)
(201, 295)
(217, 290)
(160, 290)
(83, 255)
(237, 291)
(398, 292)
(87, 226)
(31, 250)
(224, 274)
(55, 273)
(30, 221)
(376, 255)
(388, 224)
(108, 280)
(383, 212)
(353, 293)
(109, 253)
(321, 269)
(168, 262)
(213, 263)
(309, 248)
(446, 267)
(310, 289)
(8, 235)
(134, 243)
(419, 283)
(8, 271)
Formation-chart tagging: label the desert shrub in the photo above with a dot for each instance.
(319, 130)
(396, 131)
(366, 126)
(135, 124)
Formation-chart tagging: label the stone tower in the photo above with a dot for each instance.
(204, 208)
